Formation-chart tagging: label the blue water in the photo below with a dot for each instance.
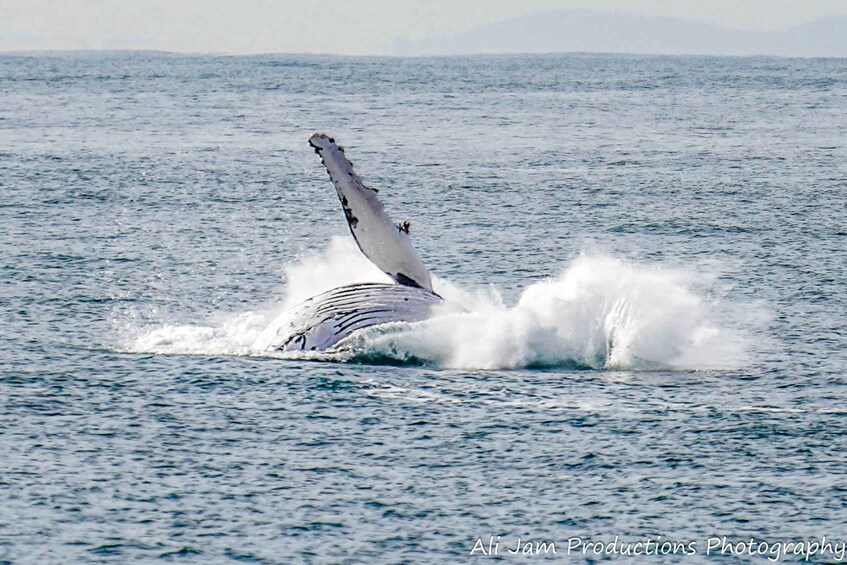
(157, 212)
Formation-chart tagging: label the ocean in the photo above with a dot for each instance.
(651, 254)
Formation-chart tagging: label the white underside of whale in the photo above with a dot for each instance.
(321, 322)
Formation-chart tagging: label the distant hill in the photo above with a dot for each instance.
(591, 32)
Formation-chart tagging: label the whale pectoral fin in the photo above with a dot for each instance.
(386, 244)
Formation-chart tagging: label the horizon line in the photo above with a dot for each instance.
(94, 51)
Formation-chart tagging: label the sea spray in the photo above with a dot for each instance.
(339, 264)
(227, 334)
(599, 312)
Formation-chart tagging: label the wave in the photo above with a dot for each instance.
(600, 312)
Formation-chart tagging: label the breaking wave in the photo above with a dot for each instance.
(599, 312)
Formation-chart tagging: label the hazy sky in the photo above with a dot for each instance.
(333, 26)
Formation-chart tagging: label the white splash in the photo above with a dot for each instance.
(246, 333)
(231, 334)
(599, 312)
(340, 264)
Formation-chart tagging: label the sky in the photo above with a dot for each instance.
(350, 27)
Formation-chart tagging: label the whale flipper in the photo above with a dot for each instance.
(380, 239)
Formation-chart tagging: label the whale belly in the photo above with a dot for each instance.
(322, 321)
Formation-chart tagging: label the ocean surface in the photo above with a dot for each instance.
(651, 253)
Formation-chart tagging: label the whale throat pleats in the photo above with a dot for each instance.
(322, 321)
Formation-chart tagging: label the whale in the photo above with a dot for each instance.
(323, 321)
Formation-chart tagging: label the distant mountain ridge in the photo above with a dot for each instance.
(592, 32)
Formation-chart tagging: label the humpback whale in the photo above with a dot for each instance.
(322, 321)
